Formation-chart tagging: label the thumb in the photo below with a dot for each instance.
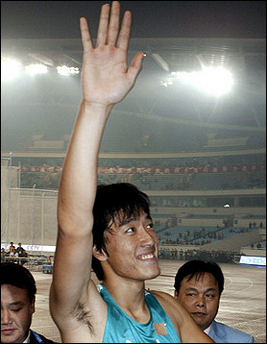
(136, 65)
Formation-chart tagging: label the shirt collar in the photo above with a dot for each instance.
(27, 340)
(207, 330)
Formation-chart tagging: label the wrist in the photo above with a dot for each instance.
(94, 106)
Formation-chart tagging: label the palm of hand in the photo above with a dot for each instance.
(104, 77)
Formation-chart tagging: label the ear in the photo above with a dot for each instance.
(175, 294)
(33, 304)
(100, 255)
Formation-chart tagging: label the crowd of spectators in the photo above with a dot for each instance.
(54, 164)
(182, 254)
(15, 254)
(157, 177)
(199, 237)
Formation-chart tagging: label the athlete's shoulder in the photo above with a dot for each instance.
(161, 294)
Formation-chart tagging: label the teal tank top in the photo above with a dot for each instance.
(120, 328)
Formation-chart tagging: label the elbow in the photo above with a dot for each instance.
(75, 222)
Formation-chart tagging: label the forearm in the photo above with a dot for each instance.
(79, 176)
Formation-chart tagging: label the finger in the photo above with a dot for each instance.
(114, 23)
(86, 36)
(125, 33)
(136, 66)
(103, 25)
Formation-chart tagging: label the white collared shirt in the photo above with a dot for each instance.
(27, 340)
(207, 331)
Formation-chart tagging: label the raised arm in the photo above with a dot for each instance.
(106, 80)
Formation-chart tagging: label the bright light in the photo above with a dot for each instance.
(10, 68)
(34, 69)
(216, 81)
(65, 70)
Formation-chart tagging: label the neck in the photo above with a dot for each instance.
(127, 290)
(130, 297)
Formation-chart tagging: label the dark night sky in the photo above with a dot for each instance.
(207, 19)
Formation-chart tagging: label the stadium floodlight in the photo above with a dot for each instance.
(65, 70)
(10, 68)
(34, 69)
(215, 81)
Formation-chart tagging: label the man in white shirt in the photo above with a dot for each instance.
(198, 286)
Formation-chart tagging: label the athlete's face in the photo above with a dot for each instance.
(200, 296)
(16, 314)
(133, 249)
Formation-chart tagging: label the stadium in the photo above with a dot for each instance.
(197, 149)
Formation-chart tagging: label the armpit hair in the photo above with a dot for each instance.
(82, 315)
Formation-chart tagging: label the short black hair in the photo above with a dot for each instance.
(18, 276)
(197, 268)
(113, 204)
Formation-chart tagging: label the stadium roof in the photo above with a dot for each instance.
(46, 105)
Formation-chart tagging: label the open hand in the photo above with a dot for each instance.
(106, 78)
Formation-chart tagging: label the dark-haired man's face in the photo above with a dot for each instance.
(16, 314)
(133, 249)
(200, 296)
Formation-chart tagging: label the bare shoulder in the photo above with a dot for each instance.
(168, 300)
(165, 299)
(161, 294)
(186, 327)
(168, 303)
(171, 305)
